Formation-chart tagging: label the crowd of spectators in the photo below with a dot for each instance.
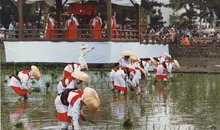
(202, 35)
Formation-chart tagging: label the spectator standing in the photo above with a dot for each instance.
(97, 26)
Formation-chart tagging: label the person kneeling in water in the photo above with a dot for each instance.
(19, 81)
(69, 103)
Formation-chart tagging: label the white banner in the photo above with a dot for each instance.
(66, 52)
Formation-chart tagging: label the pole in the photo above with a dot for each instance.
(109, 13)
(20, 20)
(138, 20)
(58, 11)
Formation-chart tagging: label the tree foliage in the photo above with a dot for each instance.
(204, 10)
(151, 7)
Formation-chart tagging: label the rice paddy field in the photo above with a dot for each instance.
(188, 102)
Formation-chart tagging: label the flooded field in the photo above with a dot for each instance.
(189, 102)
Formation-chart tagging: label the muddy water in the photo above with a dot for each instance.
(190, 102)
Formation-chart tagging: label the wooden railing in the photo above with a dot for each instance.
(61, 35)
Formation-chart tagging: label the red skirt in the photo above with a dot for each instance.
(19, 91)
(62, 117)
(161, 77)
(124, 89)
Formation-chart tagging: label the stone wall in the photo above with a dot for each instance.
(209, 50)
(198, 57)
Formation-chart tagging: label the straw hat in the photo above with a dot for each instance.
(35, 71)
(167, 55)
(134, 58)
(84, 46)
(128, 53)
(177, 64)
(81, 76)
(91, 99)
(153, 61)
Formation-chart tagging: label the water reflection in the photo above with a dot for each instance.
(19, 118)
(191, 101)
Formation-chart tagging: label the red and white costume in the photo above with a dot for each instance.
(69, 106)
(170, 67)
(61, 87)
(72, 84)
(50, 33)
(161, 59)
(97, 25)
(19, 83)
(161, 73)
(121, 79)
(147, 65)
(70, 68)
(114, 28)
(72, 24)
(112, 74)
(82, 55)
(124, 63)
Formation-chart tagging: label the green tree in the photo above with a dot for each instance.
(156, 18)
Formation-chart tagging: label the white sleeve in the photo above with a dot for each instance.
(100, 20)
(74, 112)
(68, 22)
(75, 20)
(24, 82)
(93, 22)
(88, 50)
(52, 21)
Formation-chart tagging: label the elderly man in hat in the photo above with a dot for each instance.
(83, 52)
(19, 81)
(70, 103)
(125, 60)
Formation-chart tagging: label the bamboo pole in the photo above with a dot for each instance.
(20, 20)
(109, 13)
(138, 20)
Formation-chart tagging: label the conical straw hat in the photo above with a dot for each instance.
(91, 99)
(167, 55)
(81, 76)
(128, 53)
(35, 71)
(134, 58)
(154, 61)
(84, 46)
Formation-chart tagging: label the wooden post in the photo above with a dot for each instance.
(109, 19)
(20, 20)
(58, 11)
(138, 20)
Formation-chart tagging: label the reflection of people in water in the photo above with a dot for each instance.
(18, 115)
(118, 106)
(162, 94)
